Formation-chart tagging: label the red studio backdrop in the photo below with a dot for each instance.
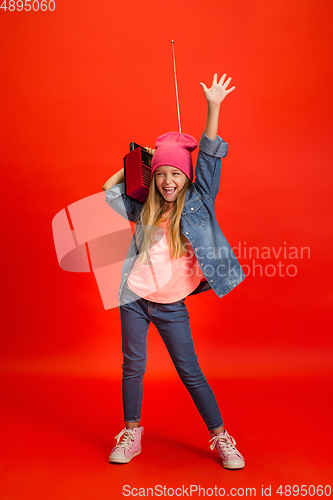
(79, 82)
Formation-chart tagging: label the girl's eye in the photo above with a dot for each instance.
(162, 173)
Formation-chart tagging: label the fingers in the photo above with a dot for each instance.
(222, 79)
(150, 150)
(227, 82)
(225, 85)
(219, 87)
(221, 82)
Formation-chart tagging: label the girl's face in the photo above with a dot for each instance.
(169, 181)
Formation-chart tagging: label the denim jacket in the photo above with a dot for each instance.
(198, 222)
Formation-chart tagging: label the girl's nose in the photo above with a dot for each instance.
(168, 180)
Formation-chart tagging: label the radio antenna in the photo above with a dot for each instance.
(174, 69)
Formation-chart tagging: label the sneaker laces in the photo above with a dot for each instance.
(129, 435)
(226, 442)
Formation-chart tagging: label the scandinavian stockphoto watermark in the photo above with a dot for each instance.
(211, 263)
(263, 261)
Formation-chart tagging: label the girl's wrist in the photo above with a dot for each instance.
(213, 106)
(212, 121)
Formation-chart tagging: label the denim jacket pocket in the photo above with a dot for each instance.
(195, 212)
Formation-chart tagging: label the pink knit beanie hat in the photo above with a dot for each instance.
(174, 149)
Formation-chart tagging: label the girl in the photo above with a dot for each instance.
(177, 250)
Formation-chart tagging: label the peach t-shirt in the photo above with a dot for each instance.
(164, 279)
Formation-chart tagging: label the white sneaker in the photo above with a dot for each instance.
(225, 446)
(129, 447)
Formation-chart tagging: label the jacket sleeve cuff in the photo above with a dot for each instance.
(218, 148)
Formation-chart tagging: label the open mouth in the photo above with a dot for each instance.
(169, 190)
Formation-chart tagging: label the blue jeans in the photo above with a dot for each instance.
(172, 323)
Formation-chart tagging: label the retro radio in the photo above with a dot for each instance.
(137, 169)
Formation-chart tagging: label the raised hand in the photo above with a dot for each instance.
(218, 91)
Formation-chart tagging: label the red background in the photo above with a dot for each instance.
(77, 85)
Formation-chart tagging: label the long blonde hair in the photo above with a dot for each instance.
(153, 213)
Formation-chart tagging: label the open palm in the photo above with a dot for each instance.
(218, 91)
